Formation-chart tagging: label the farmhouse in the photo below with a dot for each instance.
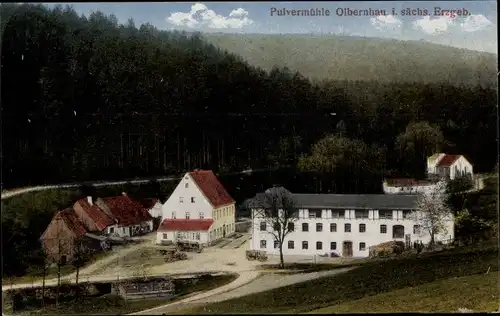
(449, 166)
(199, 211)
(345, 224)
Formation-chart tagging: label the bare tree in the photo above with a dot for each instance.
(432, 213)
(276, 208)
(80, 256)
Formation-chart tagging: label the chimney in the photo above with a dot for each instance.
(89, 199)
(124, 193)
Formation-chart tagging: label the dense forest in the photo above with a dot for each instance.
(338, 57)
(85, 98)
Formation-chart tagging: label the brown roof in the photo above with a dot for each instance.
(211, 187)
(127, 210)
(185, 225)
(447, 160)
(71, 220)
(100, 219)
(406, 182)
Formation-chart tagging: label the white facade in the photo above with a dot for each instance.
(156, 210)
(411, 189)
(366, 230)
(187, 201)
(432, 161)
(459, 168)
(200, 237)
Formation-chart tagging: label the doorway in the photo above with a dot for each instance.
(224, 230)
(347, 249)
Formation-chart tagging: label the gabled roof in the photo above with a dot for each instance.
(71, 220)
(127, 210)
(185, 225)
(432, 158)
(100, 219)
(211, 188)
(407, 182)
(447, 160)
(149, 203)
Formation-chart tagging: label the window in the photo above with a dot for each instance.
(165, 236)
(314, 213)
(202, 216)
(186, 185)
(333, 228)
(276, 227)
(333, 245)
(187, 215)
(305, 227)
(383, 229)
(291, 244)
(111, 230)
(291, 227)
(338, 214)
(192, 199)
(197, 236)
(362, 246)
(305, 245)
(276, 244)
(362, 228)
(347, 228)
(319, 227)
(173, 215)
(416, 229)
(319, 245)
(385, 214)
(181, 199)
(263, 226)
(361, 214)
(263, 244)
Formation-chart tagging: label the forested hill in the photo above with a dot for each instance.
(359, 58)
(86, 98)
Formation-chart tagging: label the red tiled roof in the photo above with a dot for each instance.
(185, 224)
(447, 160)
(211, 187)
(100, 219)
(69, 217)
(406, 182)
(127, 210)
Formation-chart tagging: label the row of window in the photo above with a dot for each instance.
(181, 199)
(183, 235)
(222, 213)
(358, 214)
(187, 215)
(305, 245)
(333, 227)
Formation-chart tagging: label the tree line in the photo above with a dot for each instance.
(86, 98)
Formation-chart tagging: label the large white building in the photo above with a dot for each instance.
(199, 211)
(345, 224)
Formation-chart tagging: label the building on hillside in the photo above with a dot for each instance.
(345, 224)
(410, 186)
(451, 167)
(199, 203)
(62, 235)
(131, 217)
(94, 219)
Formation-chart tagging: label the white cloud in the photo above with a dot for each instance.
(201, 16)
(475, 22)
(384, 22)
(436, 26)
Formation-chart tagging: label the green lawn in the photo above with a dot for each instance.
(369, 279)
(477, 292)
(115, 305)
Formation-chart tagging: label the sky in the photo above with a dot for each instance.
(473, 25)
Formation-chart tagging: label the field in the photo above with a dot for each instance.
(377, 278)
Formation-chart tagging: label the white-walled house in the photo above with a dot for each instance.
(345, 224)
(409, 186)
(154, 207)
(185, 230)
(449, 166)
(198, 196)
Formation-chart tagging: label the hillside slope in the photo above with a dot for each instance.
(358, 58)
